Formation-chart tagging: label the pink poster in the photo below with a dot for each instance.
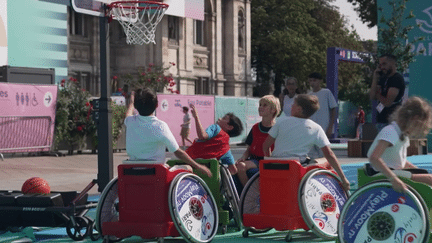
(170, 111)
(27, 117)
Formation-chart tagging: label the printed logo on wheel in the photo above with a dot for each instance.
(323, 200)
(379, 215)
(196, 212)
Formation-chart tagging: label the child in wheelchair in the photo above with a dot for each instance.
(269, 109)
(147, 137)
(389, 149)
(294, 136)
(214, 141)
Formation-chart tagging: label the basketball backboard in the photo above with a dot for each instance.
(90, 7)
(96, 7)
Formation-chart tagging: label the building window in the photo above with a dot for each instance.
(241, 30)
(77, 23)
(199, 32)
(204, 86)
(173, 28)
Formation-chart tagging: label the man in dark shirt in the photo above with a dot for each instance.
(388, 87)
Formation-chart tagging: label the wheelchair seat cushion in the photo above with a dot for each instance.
(369, 171)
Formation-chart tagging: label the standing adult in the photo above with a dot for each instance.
(388, 88)
(288, 95)
(326, 115)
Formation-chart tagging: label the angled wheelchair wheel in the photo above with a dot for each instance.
(193, 208)
(321, 199)
(229, 191)
(107, 208)
(250, 202)
(375, 212)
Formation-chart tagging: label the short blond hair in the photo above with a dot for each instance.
(415, 111)
(308, 103)
(274, 102)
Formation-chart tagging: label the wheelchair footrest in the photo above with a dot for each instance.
(143, 230)
(278, 222)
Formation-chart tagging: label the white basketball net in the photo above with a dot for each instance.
(139, 20)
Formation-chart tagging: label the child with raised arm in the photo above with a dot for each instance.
(214, 141)
(269, 108)
(147, 137)
(389, 149)
(294, 136)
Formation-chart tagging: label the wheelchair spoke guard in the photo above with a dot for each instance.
(193, 208)
(321, 199)
(375, 212)
(107, 208)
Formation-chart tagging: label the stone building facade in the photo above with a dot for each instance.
(211, 56)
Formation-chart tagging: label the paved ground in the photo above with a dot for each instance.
(75, 172)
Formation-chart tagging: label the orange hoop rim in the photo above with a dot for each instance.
(119, 4)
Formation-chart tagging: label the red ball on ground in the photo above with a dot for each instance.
(36, 185)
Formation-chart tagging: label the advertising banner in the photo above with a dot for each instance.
(3, 33)
(170, 111)
(27, 117)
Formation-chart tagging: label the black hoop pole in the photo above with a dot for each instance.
(105, 149)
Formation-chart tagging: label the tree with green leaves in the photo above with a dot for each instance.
(367, 10)
(290, 38)
(393, 36)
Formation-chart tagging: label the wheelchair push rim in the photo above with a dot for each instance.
(106, 210)
(193, 208)
(375, 212)
(321, 199)
(230, 193)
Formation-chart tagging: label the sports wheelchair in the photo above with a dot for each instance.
(284, 195)
(375, 212)
(153, 201)
(223, 190)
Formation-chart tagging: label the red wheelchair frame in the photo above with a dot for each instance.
(279, 196)
(144, 196)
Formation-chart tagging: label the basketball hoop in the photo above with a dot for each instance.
(138, 19)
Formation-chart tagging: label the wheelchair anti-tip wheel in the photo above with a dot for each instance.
(193, 208)
(250, 202)
(229, 191)
(107, 208)
(375, 212)
(321, 198)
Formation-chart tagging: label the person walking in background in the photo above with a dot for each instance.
(288, 94)
(185, 127)
(326, 115)
(388, 88)
(359, 122)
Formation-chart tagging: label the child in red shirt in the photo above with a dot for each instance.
(269, 109)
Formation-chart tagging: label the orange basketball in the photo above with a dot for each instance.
(36, 185)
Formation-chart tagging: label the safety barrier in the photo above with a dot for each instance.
(25, 134)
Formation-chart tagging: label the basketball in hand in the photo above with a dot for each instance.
(35, 185)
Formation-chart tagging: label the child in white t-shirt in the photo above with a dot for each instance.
(389, 149)
(147, 137)
(294, 136)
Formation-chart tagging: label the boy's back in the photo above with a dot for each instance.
(147, 137)
(296, 136)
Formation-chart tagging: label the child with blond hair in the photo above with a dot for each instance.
(269, 108)
(389, 149)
